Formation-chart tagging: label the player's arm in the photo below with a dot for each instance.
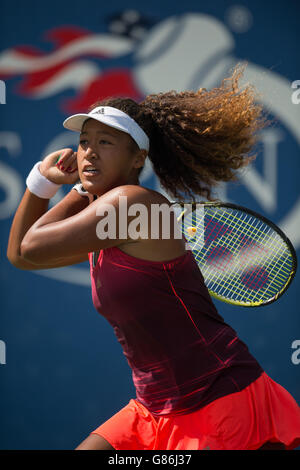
(31, 209)
(50, 239)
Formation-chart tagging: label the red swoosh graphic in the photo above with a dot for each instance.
(62, 35)
(34, 80)
(118, 82)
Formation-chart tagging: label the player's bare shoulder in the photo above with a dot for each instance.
(139, 194)
(151, 213)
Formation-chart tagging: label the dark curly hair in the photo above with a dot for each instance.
(198, 139)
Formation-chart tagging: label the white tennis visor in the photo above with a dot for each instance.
(112, 117)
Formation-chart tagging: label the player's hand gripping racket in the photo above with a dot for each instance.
(245, 259)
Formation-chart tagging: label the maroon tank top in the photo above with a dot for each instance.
(181, 352)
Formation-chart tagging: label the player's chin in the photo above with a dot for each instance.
(94, 186)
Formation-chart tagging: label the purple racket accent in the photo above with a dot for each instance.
(214, 230)
(255, 278)
(219, 257)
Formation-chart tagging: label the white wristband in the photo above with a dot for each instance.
(80, 189)
(39, 185)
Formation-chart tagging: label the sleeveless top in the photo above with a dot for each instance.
(181, 352)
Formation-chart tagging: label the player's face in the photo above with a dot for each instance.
(107, 158)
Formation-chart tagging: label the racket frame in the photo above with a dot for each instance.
(195, 204)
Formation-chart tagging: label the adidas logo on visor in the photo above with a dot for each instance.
(98, 111)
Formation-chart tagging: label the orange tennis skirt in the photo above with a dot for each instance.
(262, 412)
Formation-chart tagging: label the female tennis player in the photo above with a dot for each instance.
(197, 385)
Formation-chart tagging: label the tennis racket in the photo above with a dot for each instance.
(245, 259)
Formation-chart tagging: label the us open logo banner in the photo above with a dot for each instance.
(91, 65)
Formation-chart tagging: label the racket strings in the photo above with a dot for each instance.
(260, 250)
(243, 229)
(240, 236)
(257, 277)
(254, 280)
(226, 283)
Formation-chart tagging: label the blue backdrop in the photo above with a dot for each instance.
(62, 371)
